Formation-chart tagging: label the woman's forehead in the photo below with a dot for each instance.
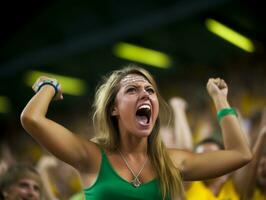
(133, 78)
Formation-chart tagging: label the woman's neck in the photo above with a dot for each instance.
(131, 144)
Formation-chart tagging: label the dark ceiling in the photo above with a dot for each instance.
(75, 38)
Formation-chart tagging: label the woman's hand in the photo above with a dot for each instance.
(59, 95)
(217, 88)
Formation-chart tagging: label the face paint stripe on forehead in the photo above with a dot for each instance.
(132, 78)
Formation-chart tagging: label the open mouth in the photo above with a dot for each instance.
(143, 114)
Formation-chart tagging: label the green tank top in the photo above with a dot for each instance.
(109, 185)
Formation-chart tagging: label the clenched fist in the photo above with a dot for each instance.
(217, 87)
(42, 81)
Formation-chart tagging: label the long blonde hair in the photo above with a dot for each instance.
(108, 133)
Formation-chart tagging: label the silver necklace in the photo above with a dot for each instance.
(135, 182)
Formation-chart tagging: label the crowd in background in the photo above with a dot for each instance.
(194, 128)
(194, 133)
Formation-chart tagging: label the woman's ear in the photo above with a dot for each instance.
(114, 111)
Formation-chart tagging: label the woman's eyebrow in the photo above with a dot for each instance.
(130, 85)
(149, 85)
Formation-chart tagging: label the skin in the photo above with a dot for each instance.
(214, 184)
(132, 134)
(219, 162)
(261, 173)
(85, 155)
(23, 189)
(128, 99)
(244, 178)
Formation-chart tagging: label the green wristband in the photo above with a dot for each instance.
(224, 112)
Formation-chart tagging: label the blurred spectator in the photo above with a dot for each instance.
(61, 181)
(21, 181)
(180, 136)
(225, 187)
(246, 183)
(6, 158)
(218, 188)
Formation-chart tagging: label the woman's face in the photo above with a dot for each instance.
(136, 106)
(262, 171)
(23, 189)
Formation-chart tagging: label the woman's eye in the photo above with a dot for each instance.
(130, 90)
(150, 90)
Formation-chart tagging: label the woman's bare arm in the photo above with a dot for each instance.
(60, 141)
(213, 164)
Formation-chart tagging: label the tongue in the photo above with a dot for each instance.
(143, 120)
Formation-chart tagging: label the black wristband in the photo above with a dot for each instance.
(53, 83)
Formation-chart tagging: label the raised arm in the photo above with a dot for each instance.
(43, 166)
(182, 134)
(55, 138)
(214, 164)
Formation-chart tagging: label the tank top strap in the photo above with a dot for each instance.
(105, 165)
(102, 151)
(103, 154)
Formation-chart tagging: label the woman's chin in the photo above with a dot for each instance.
(143, 133)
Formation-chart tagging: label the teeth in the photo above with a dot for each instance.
(145, 106)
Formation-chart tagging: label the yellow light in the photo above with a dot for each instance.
(4, 104)
(230, 35)
(142, 55)
(71, 86)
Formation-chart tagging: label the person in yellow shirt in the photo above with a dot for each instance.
(221, 188)
(248, 183)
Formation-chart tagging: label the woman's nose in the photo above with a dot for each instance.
(144, 94)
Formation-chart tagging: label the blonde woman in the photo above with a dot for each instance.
(127, 160)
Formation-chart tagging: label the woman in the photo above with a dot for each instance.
(128, 160)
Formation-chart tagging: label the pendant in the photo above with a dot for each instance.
(136, 182)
